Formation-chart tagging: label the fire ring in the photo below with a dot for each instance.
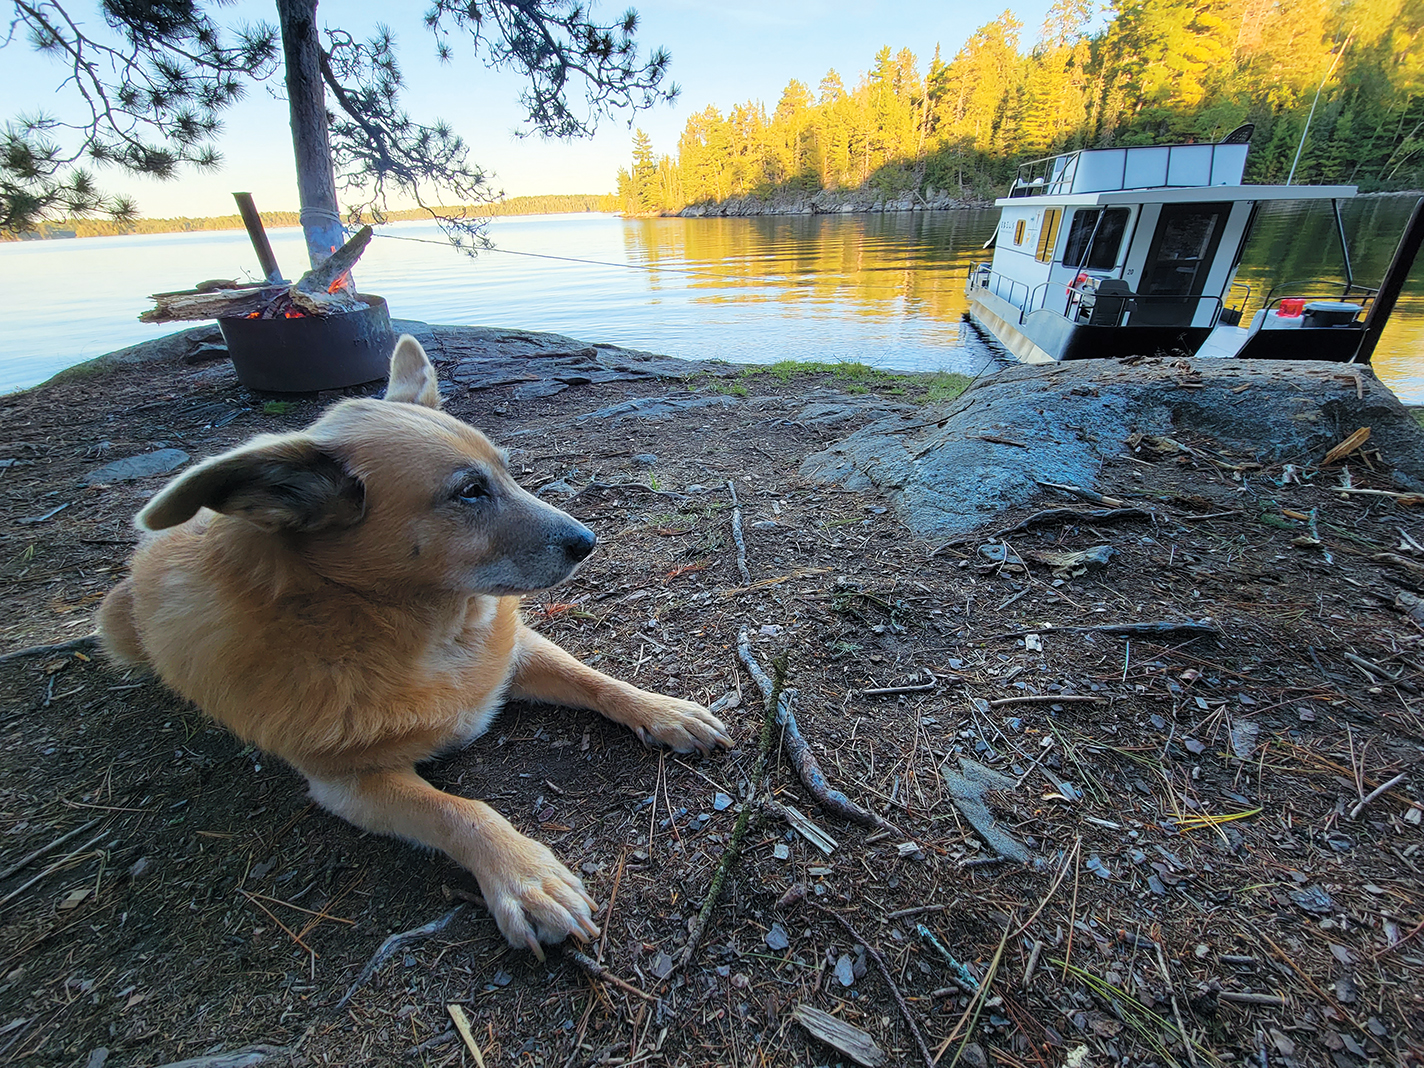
(312, 352)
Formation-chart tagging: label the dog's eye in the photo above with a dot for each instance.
(476, 489)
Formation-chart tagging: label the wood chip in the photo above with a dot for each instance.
(840, 1036)
(462, 1024)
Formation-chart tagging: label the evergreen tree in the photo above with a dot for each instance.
(1159, 71)
(157, 77)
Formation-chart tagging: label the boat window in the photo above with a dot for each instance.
(1098, 241)
(1048, 234)
(1019, 232)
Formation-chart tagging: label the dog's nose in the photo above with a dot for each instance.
(580, 544)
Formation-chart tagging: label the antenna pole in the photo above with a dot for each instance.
(1300, 147)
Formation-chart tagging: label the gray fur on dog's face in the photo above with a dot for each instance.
(377, 492)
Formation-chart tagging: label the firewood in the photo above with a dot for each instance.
(320, 277)
(311, 295)
(210, 304)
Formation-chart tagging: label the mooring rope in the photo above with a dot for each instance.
(551, 256)
(693, 272)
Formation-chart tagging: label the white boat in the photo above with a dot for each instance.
(1121, 252)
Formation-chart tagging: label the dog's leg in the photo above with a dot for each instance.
(118, 634)
(544, 672)
(532, 896)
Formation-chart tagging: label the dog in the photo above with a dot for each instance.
(347, 598)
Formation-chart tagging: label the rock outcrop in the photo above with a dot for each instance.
(829, 202)
(955, 468)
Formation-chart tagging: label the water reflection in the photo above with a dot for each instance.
(878, 265)
(1296, 241)
(883, 289)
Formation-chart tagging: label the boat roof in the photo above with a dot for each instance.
(1183, 195)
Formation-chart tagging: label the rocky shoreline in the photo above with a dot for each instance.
(832, 202)
(1009, 428)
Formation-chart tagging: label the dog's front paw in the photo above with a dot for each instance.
(534, 898)
(680, 725)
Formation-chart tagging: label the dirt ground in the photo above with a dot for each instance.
(1200, 857)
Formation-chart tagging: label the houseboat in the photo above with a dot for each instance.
(1134, 251)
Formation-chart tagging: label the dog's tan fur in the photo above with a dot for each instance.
(346, 598)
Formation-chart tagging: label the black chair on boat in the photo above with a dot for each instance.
(1109, 302)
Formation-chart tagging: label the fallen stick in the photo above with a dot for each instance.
(595, 486)
(1176, 1009)
(446, 1036)
(918, 910)
(86, 644)
(1355, 812)
(1045, 699)
(887, 691)
(1245, 997)
(976, 1006)
(801, 825)
(1052, 515)
(737, 535)
(601, 973)
(395, 942)
(1286, 959)
(889, 982)
(1402, 498)
(760, 677)
(1399, 561)
(1032, 965)
(808, 770)
(840, 1036)
(1200, 629)
(1086, 494)
(61, 862)
(1369, 666)
(770, 694)
(25, 861)
(237, 1058)
(462, 1025)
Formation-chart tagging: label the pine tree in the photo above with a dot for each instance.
(159, 75)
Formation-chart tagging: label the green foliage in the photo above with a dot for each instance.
(158, 76)
(853, 377)
(279, 407)
(1157, 71)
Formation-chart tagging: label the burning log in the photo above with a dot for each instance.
(324, 290)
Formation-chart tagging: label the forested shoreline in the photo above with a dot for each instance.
(1158, 71)
(557, 204)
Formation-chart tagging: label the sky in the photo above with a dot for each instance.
(724, 52)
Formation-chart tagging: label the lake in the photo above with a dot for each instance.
(887, 290)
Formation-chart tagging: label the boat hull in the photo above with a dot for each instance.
(1055, 338)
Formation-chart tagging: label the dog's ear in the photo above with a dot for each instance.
(278, 482)
(412, 375)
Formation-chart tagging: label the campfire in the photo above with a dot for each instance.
(323, 291)
(316, 334)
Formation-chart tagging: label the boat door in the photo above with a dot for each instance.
(1178, 262)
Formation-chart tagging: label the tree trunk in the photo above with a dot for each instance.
(316, 177)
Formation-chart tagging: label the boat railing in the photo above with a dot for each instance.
(982, 276)
(1238, 296)
(1108, 170)
(1320, 289)
(1083, 305)
(1052, 174)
